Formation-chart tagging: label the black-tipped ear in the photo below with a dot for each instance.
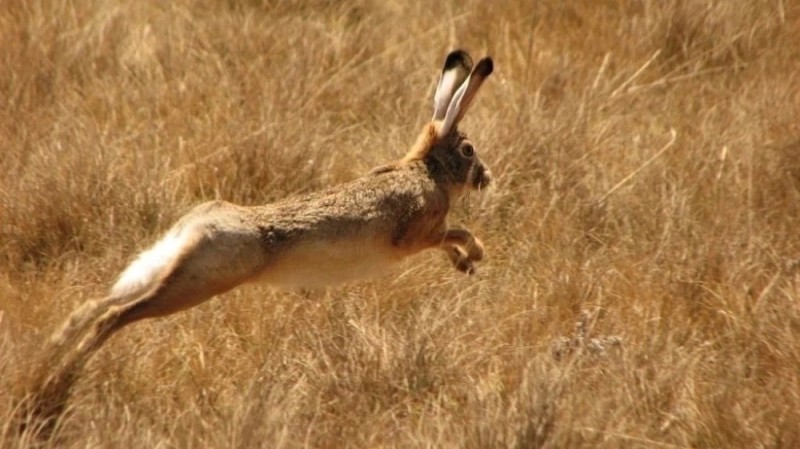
(485, 67)
(462, 99)
(457, 58)
(457, 65)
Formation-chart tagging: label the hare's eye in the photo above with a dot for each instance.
(468, 150)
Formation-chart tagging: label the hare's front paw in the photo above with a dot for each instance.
(463, 238)
(475, 251)
(466, 266)
(461, 260)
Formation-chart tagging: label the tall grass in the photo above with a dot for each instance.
(632, 297)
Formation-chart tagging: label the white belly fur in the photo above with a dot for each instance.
(319, 264)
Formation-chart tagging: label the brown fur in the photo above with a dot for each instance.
(323, 238)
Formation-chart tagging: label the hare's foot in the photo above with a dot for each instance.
(475, 251)
(463, 238)
(460, 259)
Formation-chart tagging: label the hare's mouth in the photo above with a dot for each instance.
(482, 178)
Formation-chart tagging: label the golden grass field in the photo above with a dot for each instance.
(638, 292)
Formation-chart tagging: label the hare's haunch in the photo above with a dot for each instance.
(336, 235)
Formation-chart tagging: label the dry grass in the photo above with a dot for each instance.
(662, 311)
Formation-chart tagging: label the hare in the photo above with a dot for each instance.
(324, 238)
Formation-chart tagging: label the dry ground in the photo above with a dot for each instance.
(637, 293)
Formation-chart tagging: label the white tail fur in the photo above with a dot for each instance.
(143, 272)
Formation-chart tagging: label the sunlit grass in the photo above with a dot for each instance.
(631, 297)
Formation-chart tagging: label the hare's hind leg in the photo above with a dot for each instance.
(66, 355)
(217, 254)
(59, 366)
(204, 266)
(215, 264)
(86, 331)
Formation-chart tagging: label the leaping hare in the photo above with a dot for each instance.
(328, 237)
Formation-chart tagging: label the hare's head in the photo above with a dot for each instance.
(448, 153)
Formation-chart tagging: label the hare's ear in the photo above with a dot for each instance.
(465, 94)
(456, 68)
